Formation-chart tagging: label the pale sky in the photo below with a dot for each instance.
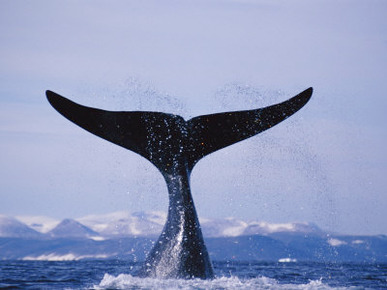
(326, 164)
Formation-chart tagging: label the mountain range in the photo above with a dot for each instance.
(123, 235)
(144, 224)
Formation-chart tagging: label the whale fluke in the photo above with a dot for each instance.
(216, 131)
(174, 146)
(160, 137)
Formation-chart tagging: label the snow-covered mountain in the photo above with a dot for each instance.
(41, 224)
(150, 224)
(12, 228)
(131, 236)
(71, 228)
(125, 223)
(264, 228)
(231, 227)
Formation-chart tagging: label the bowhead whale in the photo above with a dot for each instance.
(174, 146)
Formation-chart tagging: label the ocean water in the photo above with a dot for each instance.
(116, 274)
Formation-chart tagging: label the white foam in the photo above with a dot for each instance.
(65, 257)
(287, 260)
(125, 281)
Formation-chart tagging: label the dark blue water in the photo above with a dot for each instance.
(108, 274)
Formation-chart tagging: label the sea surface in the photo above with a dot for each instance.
(116, 274)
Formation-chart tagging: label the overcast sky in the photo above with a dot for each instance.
(326, 164)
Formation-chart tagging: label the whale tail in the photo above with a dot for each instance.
(163, 138)
(174, 146)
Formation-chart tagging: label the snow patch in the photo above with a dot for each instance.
(336, 242)
(268, 228)
(357, 242)
(97, 238)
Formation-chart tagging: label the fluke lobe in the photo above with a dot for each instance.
(174, 146)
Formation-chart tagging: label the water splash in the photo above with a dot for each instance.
(143, 96)
(239, 96)
(126, 281)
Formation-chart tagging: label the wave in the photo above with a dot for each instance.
(126, 281)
